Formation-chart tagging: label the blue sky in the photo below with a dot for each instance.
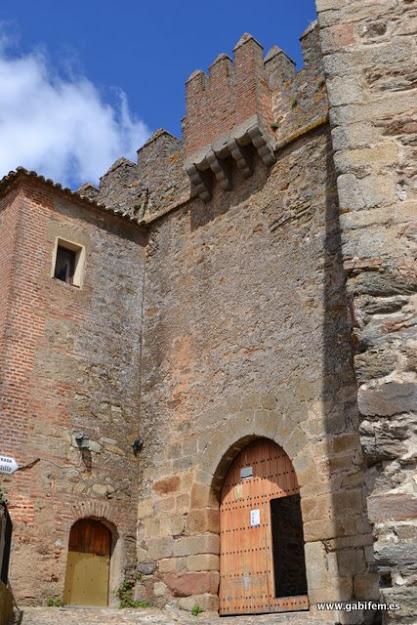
(126, 61)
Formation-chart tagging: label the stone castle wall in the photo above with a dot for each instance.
(274, 296)
(70, 364)
(246, 334)
(238, 127)
(370, 58)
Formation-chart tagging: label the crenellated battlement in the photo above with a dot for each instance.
(244, 108)
(226, 111)
(246, 105)
(162, 350)
(232, 92)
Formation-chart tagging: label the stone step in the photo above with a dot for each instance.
(151, 616)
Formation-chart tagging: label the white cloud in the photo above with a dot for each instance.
(60, 127)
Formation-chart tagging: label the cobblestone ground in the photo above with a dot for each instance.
(148, 616)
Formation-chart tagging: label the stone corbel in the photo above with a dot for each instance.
(219, 168)
(262, 144)
(198, 182)
(213, 157)
(240, 157)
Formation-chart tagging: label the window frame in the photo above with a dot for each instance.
(79, 268)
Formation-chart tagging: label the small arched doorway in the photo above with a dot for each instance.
(88, 564)
(262, 564)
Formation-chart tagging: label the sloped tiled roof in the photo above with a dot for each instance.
(21, 172)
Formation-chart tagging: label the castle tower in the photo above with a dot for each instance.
(243, 302)
(227, 112)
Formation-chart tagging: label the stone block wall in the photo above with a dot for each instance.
(70, 363)
(156, 183)
(279, 302)
(370, 59)
(299, 99)
(246, 334)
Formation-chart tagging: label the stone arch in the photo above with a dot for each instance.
(217, 454)
(94, 509)
(219, 451)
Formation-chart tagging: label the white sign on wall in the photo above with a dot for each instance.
(8, 465)
(255, 518)
(246, 472)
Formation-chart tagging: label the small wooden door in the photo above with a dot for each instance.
(253, 548)
(88, 564)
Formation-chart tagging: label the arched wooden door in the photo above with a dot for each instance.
(88, 564)
(262, 566)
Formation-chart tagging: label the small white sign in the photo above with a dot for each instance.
(8, 465)
(255, 518)
(246, 472)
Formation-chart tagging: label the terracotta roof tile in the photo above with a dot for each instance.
(20, 172)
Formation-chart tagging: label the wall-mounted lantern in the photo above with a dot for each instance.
(81, 439)
(83, 443)
(137, 446)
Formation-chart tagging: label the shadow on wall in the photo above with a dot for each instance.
(6, 596)
(328, 462)
(243, 189)
(351, 551)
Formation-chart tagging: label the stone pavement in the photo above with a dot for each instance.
(151, 616)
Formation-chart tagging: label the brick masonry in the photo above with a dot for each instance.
(70, 355)
(255, 279)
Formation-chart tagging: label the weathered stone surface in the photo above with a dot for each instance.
(146, 568)
(393, 507)
(379, 84)
(206, 602)
(194, 545)
(387, 399)
(159, 589)
(366, 587)
(142, 190)
(168, 485)
(262, 312)
(199, 521)
(160, 548)
(195, 583)
(351, 561)
(203, 562)
(365, 192)
(398, 555)
(318, 575)
(151, 616)
(405, 599)
(144, 508)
